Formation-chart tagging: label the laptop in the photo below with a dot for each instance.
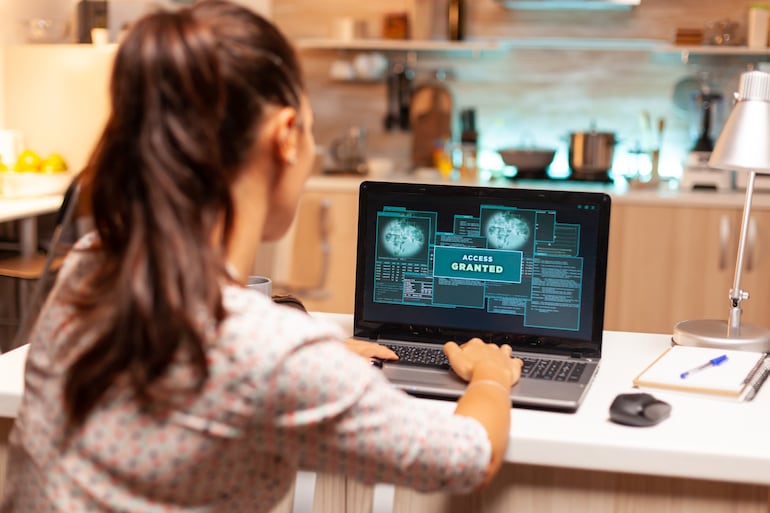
(511, 266)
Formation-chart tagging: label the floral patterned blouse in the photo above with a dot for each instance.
(283, 393)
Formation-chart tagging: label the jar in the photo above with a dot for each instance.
(758, 25)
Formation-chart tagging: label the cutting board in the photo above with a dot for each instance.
(430, 117)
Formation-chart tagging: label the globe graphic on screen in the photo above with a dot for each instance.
(403, 239)
(506, 230)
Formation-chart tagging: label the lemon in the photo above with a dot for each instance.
(28, 161)
(53, 163)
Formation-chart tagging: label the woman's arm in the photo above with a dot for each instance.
(491, 372)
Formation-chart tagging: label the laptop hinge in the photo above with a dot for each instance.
(576, 355)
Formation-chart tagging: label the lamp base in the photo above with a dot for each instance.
(713, 333)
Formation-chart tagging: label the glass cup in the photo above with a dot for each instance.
(465, 162)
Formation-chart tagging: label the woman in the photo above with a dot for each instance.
(155, 381)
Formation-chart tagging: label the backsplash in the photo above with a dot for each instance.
(522, 96)
(538, 96)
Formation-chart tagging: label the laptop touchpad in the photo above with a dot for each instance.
(427, 376)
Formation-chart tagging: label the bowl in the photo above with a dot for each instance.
(46, 30)
(527, 159)
(29, 184)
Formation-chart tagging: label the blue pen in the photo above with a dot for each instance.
(711, 363)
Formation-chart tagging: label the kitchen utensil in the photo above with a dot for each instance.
(349, 152)
(370, 65)
(430, 118)
(529, 162)
(398, 94)
(656, 151)
(708, 103)
(687, 90)
(591, 154)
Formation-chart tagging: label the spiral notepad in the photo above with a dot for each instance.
(739, 375)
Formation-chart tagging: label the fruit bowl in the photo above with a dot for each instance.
(29, 184)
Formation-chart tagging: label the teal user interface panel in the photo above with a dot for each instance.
(506, 261)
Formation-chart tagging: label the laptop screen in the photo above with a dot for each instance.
(449, 262)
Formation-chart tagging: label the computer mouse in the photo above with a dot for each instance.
(638, 409)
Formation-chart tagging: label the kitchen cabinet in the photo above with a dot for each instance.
(524, 488)
(670, 259)
(322, 256)
(672, 263)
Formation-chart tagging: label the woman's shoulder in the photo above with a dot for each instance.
(255, 323)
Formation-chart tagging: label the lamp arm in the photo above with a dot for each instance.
(736, 293)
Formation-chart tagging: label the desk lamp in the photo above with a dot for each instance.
(743, 146)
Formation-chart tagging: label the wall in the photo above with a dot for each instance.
(12, 14)
(537, 95)
(56, 95)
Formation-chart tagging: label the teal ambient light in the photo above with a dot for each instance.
(743, 146)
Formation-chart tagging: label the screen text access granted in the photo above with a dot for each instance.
(477, 264)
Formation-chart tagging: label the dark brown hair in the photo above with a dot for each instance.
(188, 91)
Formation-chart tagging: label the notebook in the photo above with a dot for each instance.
(508, 265)
(710, 371)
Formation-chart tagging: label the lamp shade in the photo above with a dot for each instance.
(744, 143)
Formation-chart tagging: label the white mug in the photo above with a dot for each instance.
(260, 283)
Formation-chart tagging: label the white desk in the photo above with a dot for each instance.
(26, 210)
(711, 448)
(704, 438)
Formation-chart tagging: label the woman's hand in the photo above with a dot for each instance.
(370, 349)
(465, 359)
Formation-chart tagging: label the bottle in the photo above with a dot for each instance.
(456, 20)
(469, 139)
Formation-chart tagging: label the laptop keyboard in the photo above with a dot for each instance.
(552, 370)
(423, 356)
(534, 368)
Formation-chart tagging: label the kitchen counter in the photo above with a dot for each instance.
(619, 191)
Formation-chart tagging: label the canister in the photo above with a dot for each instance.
(758, 25)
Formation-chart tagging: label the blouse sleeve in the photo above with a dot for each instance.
(339, 414)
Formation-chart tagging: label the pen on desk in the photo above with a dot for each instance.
(711, 363)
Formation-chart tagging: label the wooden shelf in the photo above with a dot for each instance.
(577, 43)
(537, 43)
(717, 50)
(398, 45)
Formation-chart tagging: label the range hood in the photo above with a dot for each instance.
(543, 5)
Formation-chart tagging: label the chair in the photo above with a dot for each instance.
(39, 269)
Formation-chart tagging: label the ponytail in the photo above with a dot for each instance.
(188, 91)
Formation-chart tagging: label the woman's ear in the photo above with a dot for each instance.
(286, 136)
